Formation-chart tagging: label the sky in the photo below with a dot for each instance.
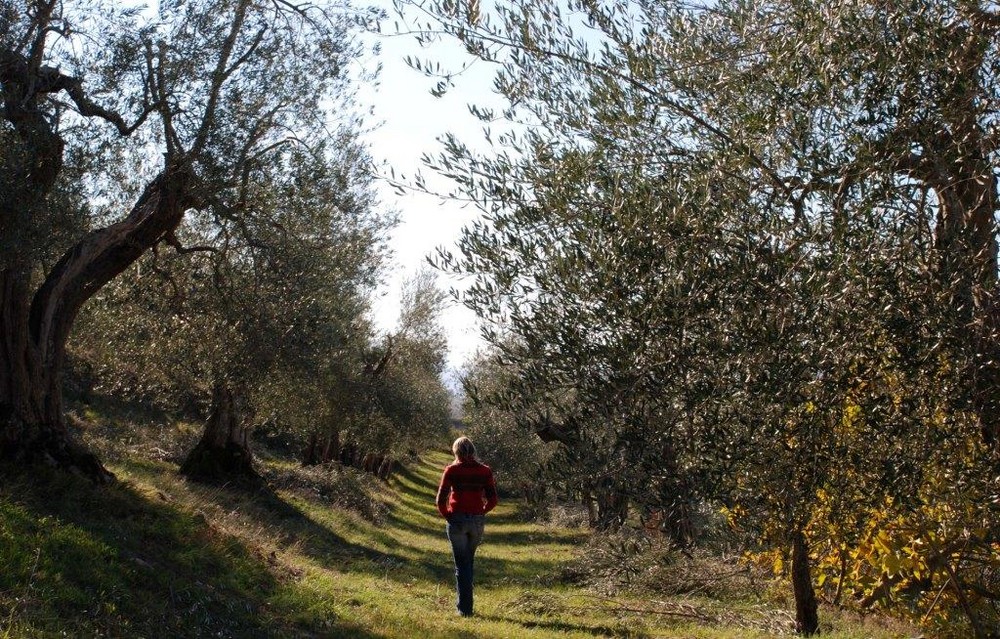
(409, 121)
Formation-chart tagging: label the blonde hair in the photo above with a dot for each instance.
(464, 449)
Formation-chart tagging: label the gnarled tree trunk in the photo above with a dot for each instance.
(35, 321)
(385, 470)
(956, 164)
(368, 462)
(310, 456)
(671, 513)
(331, 449)
(965, 239)
(223, 454)
(349, 454)
(32, 425)
(35, 325)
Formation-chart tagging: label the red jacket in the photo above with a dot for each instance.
(467, 487)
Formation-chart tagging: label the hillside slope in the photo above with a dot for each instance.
(156, 556)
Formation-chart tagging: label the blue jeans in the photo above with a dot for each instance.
(465, 532)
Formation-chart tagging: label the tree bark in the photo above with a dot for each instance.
(591, 504)
(612, 509)
(321, 451)
(349, 454)
(35, 322)
(957, 166)
(35, 326)
(32, 424)
(223, 454)
(310, 456)
(367, 461)
(965, 240)
(385, 470)
(806, 609)
(673, 495)
(332, 448)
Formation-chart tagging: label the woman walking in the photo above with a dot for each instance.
(467, 492)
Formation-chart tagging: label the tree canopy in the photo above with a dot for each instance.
(742, 253)
(118, 122)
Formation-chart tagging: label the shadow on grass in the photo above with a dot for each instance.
(120, 562)
(89, 561)
(408, 474)
(415, 488)
(290, 525)
(402, 563)
(557, 626)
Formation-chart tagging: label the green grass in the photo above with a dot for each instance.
(156, 556)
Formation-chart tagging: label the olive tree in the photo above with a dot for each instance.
(271, 307)
(515, 455)
(409, 393)
(756, 238)
(116, 123)
(391, 401)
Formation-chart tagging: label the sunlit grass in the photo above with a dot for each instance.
(158, 556)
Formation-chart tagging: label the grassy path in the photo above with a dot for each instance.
(404, 588)
(407, 588)
(156, 556)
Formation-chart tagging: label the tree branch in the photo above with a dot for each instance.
(167, 276)
(246, 55)
(15, 68)
(661, 99)
(101, 255)
(54, 81)
(984, 20)
(170, 239)
(42, 20)
(219, 76)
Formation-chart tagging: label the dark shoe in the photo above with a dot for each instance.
(464, 614)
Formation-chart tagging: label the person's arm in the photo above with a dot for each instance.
(444, 490)
(491, 493)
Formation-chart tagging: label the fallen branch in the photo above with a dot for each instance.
(681, 610)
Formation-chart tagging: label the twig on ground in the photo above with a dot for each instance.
(669, 609)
